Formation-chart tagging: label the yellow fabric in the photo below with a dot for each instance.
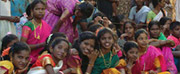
(173, 2)
(111, 71)
(46, 61)
(157, 63)
(122, 63)
(8, 65)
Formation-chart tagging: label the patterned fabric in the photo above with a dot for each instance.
(176, 41)
(124, 7)
(54, 11)
(6, 67)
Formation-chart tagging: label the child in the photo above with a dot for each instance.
(165, 23)
(19, 60)
(35, 32)
(108, 58)
(7, 42)
(131, 55)
(139, 13)
(150, 59)
(52, 63)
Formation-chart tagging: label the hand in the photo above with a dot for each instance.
(153, 40)
(130, 63)
(14, 19)
(97, 19)
(74, 52)
(170, 43)
(23, 70)
(92, 57)
(123, 35)
(73, 70)
(106, 22)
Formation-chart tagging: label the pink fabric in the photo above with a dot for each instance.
(176, 40)
(28, 29)
(119, 53)
(146, 61)
(44, 32)
(168, 56)
(54, 10)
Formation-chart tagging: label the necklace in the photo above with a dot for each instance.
(35, 23)
(107, 63)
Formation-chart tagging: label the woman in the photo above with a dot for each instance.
(61, 12)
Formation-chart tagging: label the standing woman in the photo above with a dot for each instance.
(61, 12)
(35, 32)
(150, 59)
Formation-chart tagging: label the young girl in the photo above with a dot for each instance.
(139, 13)
(7, 42)
(19, 60)
(52, 63)
(165, 23)
(84, 61)
(108, 58)
(150, 60)
(158, 12)
(163, 45)
(131, 55)
(35, 32)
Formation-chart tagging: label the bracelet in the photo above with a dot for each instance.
(90, 65)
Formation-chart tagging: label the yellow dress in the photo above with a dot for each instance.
(6, 67)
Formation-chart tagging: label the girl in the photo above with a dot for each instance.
(139, 13)
(163, 45)
(84, 61)
(158, 12)
(165, 23)
(150, 60)
(7, 42)
(131, 55)
(108, 58)
(19, 60)
(52, 63)
(35, 32)
(61, 13)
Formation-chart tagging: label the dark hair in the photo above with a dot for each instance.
(93, 28)
(153, 23)
(51, 38)
(174, 24)
(35, 2)
(138, 32)
(19, 46)
(163, 20)
(98, 14)
(59, 40)
(6, 40)
(155, 2)
(84, 36)
(112, 26)
(86, 9)
(129, 45)
(129, 22)
(117, 19)
(28, 10)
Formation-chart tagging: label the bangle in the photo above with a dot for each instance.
(90, 65)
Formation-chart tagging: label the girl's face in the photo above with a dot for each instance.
(139, 2)
(162, 3)
(142, 40)
(20, 60)
(129, 29)
(176, 31)
(132, 54)
(155, 31)
(107, 40)
(60, 50)
(39, 11)
(12, 42)
(87, 46)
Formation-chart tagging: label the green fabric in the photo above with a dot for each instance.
(99, 65)
(162, 37)
(151, 15)
(30, 25)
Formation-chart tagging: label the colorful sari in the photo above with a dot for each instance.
(162, 37)
(46, 59)
(101, 68)
(176, 40)
(35, 36)
(54, 11)
(6, 67)
(146, 62)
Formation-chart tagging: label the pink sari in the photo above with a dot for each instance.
(54, 10)
(43, 31)
(146, 61)
(176, 40)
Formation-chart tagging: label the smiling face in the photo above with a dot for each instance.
(20, 59)
(60, 50)
(142, 40)
(129, 29)
(132, 54)
(106, 41)
(87, 46)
